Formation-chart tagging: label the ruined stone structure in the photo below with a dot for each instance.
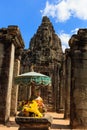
(78, 54)
(11, 44)
(45, 54)
(68, 71)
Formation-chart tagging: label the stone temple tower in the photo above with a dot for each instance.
(45, 54)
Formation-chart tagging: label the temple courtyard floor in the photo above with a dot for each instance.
(59, 123)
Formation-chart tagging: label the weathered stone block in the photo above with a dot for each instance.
(32, 123)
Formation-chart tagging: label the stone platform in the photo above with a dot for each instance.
(33, 123)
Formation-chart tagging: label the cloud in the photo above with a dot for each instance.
(75, 30)
(49, 10)
(64, 9)
(64, 39)
(63, 48)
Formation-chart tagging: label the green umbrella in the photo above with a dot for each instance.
(33, 81)
(37, 78)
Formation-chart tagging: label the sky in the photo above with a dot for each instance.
(67, 16)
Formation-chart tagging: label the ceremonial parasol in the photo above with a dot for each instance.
(29, 78)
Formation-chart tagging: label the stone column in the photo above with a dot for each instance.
(61, 93)
(78, 106)
(55, 83)
(10, 39)
(14, 94)
(50, 90)
(58, 89)
(67, 83)
(62, 86)
(6, 75)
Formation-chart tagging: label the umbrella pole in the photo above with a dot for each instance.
(28, 92)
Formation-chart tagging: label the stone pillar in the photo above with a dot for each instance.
(58, 89)
(61, 93)
(6, 75)
(67, 83)
(78, 106)
(50, 90)
(55, 84)
(10, 39)
(62, 86)
(14, 94)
